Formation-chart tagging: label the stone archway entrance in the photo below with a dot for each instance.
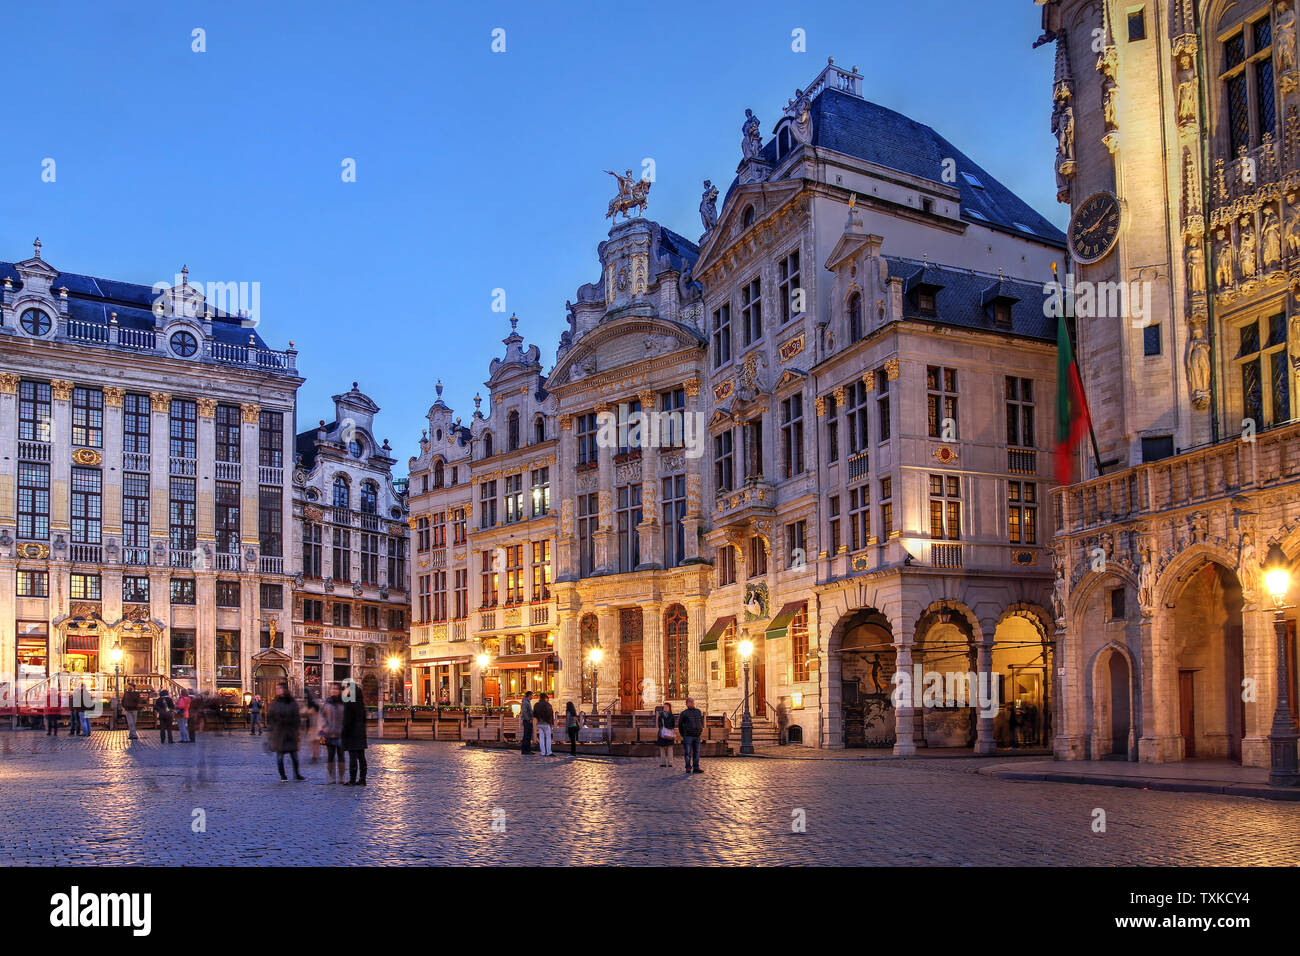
(863, 681)
(1114, 703)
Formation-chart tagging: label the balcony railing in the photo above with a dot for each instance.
(858, 465)
(86, 553)
(228, 471)
(227, 562)
(84, 331)
(178, 558)
(1022, 461)
(249, 355)
(34, 450)
(487, 620)
(183, 467)
(438, 557)
(138, 556)
(367, 522)
(419, 634)
(341, 516)
(541, 614)
(459, 630)
(755, 496)
(135, 461)
(945, 556)
(140, 339)
(270, 564)
(270, 475)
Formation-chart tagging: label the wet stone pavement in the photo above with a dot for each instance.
(107, 801)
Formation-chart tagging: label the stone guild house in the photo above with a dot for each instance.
(1179, 156)
(143, 501)
(848, 469)
(351, 593)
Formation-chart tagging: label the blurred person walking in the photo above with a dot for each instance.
(331, 729)
(284, 721)
(354, 733)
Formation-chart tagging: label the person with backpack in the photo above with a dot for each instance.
(165, 709)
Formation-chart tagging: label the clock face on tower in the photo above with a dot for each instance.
(1094, 227)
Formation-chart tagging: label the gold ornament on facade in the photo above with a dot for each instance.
(87, 456)
(61, 390)
(792, 348)
(207, 407)
(162, 402)
(722, 390)
(647, 399)
(945, 455)
(251, 413)
(891, 369)
(8, 383)
(841, 396)
(113, 397)
(820, 402)
(692, 386)
(566, 422)
(33, 551)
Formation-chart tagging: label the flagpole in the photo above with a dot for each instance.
(1068, 308)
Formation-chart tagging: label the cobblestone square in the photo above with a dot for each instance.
(107, 801)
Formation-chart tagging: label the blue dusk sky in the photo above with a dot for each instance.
(475, 170)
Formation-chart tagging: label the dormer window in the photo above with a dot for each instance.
(925, 301)
(747, 217)
(487, 445)
(355, 449)
(184, 344)
(854, 307)
(512, 431)
(784, 141)
(35, 322)
(1002, 313)
(539, 430)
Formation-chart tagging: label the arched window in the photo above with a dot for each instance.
(487, 444)
(747, 217)
(342, 493)
(512, 431)
(539, 430)
(589, 630)
(369, 498)
(437, 474)
(676, 650)
(854, 307)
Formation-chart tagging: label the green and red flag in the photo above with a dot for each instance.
(1072, 420)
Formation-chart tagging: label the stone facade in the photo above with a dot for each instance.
(143, 501)
(1187, 115)
(352, 583)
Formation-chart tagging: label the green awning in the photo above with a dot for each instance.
(710, 642)
(777, 628)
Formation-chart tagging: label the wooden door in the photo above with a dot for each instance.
(1187, 712)
(492, 690)
(631, 672)
(759, 701)
(137, 656)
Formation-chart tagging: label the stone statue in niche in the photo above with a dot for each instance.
(1223, 263)
(1195, 268)
(1246, 249)
(1187, 100)
(1285, 39)
(1064, 130)
(1293, 231)
(752, 142)
(1146, 583)
(1271, 246)
(1247, 563)
(1060, 595)
(1198, 366)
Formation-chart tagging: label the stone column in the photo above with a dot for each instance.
(905, 715)
(652, 636)
(205, 507)
(60, 459)
(8, 456)
(571, 662)
(984, 739)
(159, 473)
(111, 472)
(566, 492)
(248, 447)
(205, 629)
(697, 624)
(606, 557)
(1161, 741)
(651, 543)
(694, 476)
(1259, 658)
(610, 644)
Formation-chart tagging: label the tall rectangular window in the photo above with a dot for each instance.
(369, 558)
(461, 580)
(88, 417)
(796, 545)
(540, 490)
(751, 312)
(135, 423)
(487, 508)
(859, 517)
(34, 420)
(488, 578)
(33, 501)
(673, 501)
(514, 498)
(226, 425)
(342, 554)
(886, 508)
(751, 433)
(799, 645)
(730, 657)
(183, 659)
(723, 462)
(588, 521)
(397, 563)
(227, 502)
(722, 335)
(435, 530)
(857, 416)
(87, 506)
(945, 507)
(135, 588)
(541, 570)
(514, 590)
(312, 550)
(833, 524)
(183, 423)
(791, 294)
(459, 531)
(1248, 84)
(882, 406)
(424, 597)
(629, 517)
(726, 565)
(941, 401)
(182, 517)
(1265, 377)
(587, 438)
(832, 429)
(1020, 412)
(1022, 512)
(135, 510)
(439, 596)
(227, 655)
(270, 439)
(792, 435)
(270, 520)
(757, 557)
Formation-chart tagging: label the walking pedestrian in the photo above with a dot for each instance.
(544, 714)
(666, 723)
(75, 710)
(284, 721)
(571, 724)
(88, 704)
(354, 732)
(255, 715)
(131, 707)
(183, 715)
(313, 725)
(331, 728)
(691, 726)
(164, 709)
(526, 719)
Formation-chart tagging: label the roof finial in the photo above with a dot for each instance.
(514, 321)
(37, 246)
(999, 273)
(354, 386)
(438, 388)
(925, 258)
(478, 399)
(185, 275)
(853, 200)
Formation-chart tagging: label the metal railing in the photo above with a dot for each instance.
(858, 465)
(1022, 461)
(946, 555)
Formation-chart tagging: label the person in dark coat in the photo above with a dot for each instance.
(331, 728)
(665, 733)
(165, 710)
(691, 726)
(354, 733)
(255, 715)
(131, 707)
(283, 721)
(571, 724)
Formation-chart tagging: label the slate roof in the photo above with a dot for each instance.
(963, 297)
(91, 299)
(856, 127)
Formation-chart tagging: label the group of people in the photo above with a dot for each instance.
(669, 727)
(338, 722)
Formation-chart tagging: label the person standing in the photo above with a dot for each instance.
(183, 715)
(255, 715)
(88, 702)
(571, 724)
(666, 736)
(165, 710)
(284, 721)
(313, 725)
(526, 720)
(544, 714)
(52, 721)
(691, 726)
(74, 710)
(354, 733)
(331, 728)
(131, 707)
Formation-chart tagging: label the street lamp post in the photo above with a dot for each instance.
(115, 655)
(746, 721)
(594, 655)
(484, 660)
(393, 664)
(1282, 768)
